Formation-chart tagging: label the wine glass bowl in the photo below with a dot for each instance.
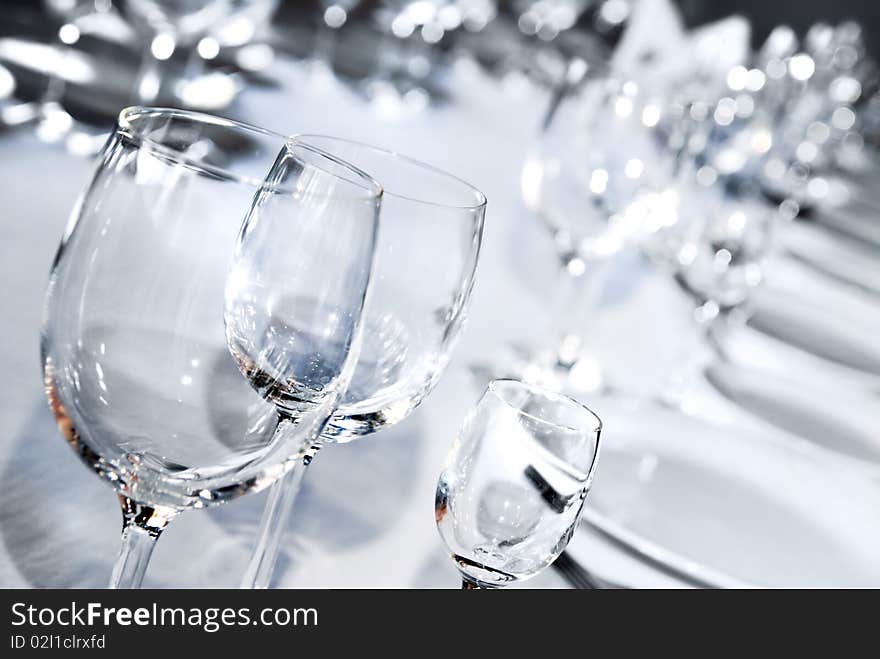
(515, 481)
(723, 265)
(293, 347)
(599, 149)
(426, 258)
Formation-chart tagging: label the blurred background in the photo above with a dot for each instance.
(735, 365)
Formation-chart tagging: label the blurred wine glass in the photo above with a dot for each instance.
(417, 35)
(599, 161)
(47, 114)
(720, 265)
(812, 92)
(180, 35)
(546, 19)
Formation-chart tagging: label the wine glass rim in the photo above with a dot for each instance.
(480, 198)
(499, 383)
(125, 121)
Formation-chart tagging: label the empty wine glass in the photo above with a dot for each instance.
(426, 256)
(599, 153)
(200, 245)
(810, 98)
(719, 264)
(515, 482)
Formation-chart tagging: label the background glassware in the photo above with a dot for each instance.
(168, 26)
(671, 172)
(598, 164)
(808, 99)
(736, 141)
(515, 482)
(652, 169)
(334, 16)
(427, 251)
(189, 215)
(548, 18)
(70, 12)
(721, 232)
(417, 37)
(52, 122)
(719, 266)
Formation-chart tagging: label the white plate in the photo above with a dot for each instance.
(856, 262)
(730, 507)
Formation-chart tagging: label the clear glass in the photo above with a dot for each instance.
(598, 167)
(515, 482)
(724, 224)
(598, 151)
(722, 264)
(204, 249)
(427, 251)
(426, 259)
(619, 163)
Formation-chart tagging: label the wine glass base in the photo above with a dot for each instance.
(579, 373)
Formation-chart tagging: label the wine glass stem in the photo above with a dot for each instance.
(276, 514)
(141, 528)
(134, 556)
(576, 301)
(689, 371)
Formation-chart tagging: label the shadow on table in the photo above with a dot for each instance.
(352, 494)
(60, 524)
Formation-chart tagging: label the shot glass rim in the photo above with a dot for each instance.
(493, 389)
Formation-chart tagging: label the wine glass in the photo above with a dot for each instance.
(202, 245)
(600, 157)
(428, 245)
(515, 482)
(811, 97)
(722, 264)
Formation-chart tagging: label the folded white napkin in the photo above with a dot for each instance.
(657, 49)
